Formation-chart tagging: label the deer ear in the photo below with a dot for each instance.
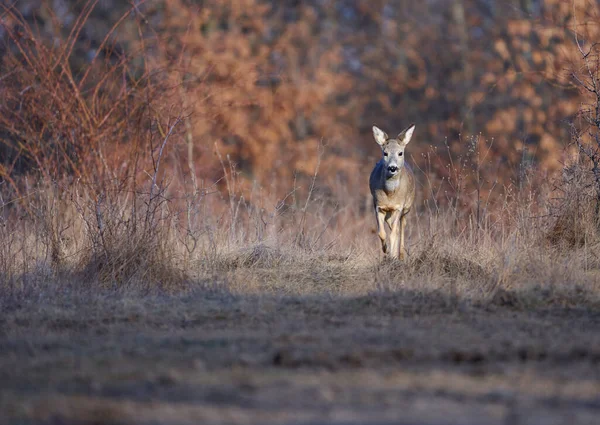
(379, 135)
(406, 135)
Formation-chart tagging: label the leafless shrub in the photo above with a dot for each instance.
(577, 204)
(84, 157)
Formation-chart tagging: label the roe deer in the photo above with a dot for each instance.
(392, 184)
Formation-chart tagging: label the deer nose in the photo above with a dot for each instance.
(392, 168)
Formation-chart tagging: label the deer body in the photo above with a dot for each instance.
(392, 185)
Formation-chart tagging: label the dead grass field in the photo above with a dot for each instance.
(150, 273)
(345, 350)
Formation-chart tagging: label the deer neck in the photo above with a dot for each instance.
(391, 184)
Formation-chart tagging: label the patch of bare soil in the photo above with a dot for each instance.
(211, 358)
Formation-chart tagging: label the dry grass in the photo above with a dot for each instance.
(120, 357)
(94, 191)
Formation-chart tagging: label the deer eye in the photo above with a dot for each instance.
(385, 154)
(399, 153)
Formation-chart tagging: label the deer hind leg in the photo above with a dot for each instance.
(393, 222)
(381, 228)
(402, 226)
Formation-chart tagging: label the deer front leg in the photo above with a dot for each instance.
(402, 226)
(381, 228)
(393, 221)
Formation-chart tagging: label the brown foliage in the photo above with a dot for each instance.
(268, 81)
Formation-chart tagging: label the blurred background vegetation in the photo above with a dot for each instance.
(266, 83)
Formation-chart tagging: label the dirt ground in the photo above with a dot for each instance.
(215, 358)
